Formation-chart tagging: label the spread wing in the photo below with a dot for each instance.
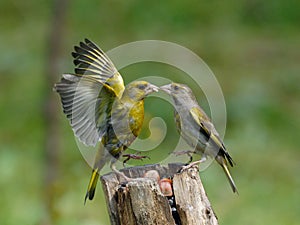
(87, 96)
(87, 104)
(208, 130)
(89, 60)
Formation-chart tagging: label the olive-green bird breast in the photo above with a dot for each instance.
(124, 126)
(136, 116)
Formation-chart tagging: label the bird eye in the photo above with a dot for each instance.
(141, 86)
(176, 88)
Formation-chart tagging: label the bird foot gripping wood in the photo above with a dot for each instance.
(193, 164)
(147, 201)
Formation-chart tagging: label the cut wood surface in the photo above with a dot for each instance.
(140, 200)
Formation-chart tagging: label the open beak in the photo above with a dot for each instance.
(151, 88)
(166, 88)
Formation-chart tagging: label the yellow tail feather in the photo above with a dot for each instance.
(92, 185)
(232, 184)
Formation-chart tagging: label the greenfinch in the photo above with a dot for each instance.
(100, 108)
(197, 129)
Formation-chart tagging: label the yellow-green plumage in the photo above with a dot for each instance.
(100, 108)
(137, 112)
(196, 128)
(92, 184)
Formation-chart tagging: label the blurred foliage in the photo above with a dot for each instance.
(251, 45)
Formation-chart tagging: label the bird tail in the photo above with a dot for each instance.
(222, 161)
(99, 163)
(92, 185)
(231, 182)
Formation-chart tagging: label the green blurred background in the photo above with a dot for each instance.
(252, 46)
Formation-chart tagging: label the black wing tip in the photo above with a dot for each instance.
(83, 71)
(224, 154)
(83, 45)
(74, 54)
(76, 62)
(229, 159)
(86, 47)
(91, 44)
(87, 41)
(86, 44)
(77, 49)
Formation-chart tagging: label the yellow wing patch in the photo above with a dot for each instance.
(204, 122)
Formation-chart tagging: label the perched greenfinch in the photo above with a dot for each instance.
(197, 129)
(100, 108)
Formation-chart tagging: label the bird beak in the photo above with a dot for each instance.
(166, 88)
(151, 88)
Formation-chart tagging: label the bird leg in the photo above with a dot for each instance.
(202, 160)
(134, 156)
(185, 152)
(121, 174)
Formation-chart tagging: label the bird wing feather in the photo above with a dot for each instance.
(87, 104)
(87, 96)
(206, 126)
(208, 129)
(90, 60)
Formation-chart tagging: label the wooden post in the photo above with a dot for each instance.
(140, 201)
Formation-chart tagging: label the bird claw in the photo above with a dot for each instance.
(193, 164)
(184, 168)
(134, 156)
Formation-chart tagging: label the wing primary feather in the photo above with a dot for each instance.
(93, 55)
(93, 47)
(87, 95)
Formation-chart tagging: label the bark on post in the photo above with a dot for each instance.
(140, 200)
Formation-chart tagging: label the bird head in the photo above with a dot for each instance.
(181, 94)
(177, 90)
(138, 90)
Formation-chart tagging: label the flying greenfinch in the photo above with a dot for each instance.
(197, 129)
(100, 108)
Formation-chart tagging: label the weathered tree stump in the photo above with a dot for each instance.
(140, 201)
